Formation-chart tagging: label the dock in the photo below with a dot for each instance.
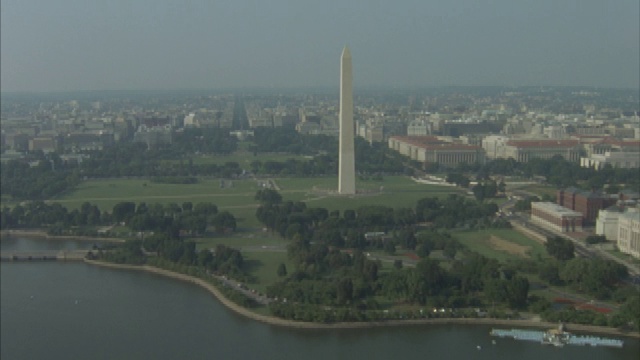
(556, 337)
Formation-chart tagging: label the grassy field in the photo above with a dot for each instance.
(238, 198)
(242, 240)
(263, 265)
(393, 191)
(542, 190)
(501, 244)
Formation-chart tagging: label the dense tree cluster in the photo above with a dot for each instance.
(327, 274)
(525, 204)
(559, 172)
(293, 219)
(170, 218)
(203, 141)
(134, 159)
(288, 140)
(458, 179)
(128, 253)
(455, 211)
(330, 279)
(596, 277)
(487, 189)
(38, 214)
(560, 248)
(371, 158)
(38, 177)
(319, 165)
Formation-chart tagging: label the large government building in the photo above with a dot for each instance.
(629, 232)
(431, 150)
(523, 150)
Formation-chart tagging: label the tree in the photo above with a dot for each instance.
(344, 291)
(123, 211)
(223, 221)
(450, 250)
(389, 247)
(517, 290)
(550, 273)
(349, 215)
(426, 279)
(206, 208)
(205, 257)
(502, 186)
(423, 250)
(560, 248)
(282, 270)
(268, 196)
(478, 191)
(407, 239)
(196, 224)
(356, 239)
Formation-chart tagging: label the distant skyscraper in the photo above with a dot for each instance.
(347, 168)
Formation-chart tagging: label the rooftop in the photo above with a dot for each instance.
(555, 208)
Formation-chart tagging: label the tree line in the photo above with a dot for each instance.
(172, 218)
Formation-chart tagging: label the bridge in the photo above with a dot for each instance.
(43, 255)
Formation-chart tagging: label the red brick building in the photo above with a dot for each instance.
(584, 202)
(556, 217)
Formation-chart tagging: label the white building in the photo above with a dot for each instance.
(555, 132)
(419, 127)
(189, 120)
(622, 160)
(607, 222)
(629, 232)
(493, 146)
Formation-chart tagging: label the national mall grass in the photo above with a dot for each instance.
(237, 196)
(265, 251)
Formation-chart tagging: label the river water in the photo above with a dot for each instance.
(57, 310)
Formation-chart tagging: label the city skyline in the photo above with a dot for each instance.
(75, 46)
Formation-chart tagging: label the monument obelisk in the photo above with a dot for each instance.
(347, 168)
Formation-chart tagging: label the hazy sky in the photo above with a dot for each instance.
(169, 44)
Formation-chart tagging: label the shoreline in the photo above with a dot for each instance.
(270, 320)
(40, 234)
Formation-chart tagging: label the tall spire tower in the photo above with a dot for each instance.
(347, 168)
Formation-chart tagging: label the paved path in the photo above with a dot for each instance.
(238, 286)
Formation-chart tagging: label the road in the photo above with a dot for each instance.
(240, 287)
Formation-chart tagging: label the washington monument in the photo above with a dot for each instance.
(347, 168)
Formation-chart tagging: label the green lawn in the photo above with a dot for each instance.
(479, 241)
(541, 190)
(242, 240)
(263, 265)
(394, 191)
(238, 199)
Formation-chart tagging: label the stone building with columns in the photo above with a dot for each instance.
(431, 149)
